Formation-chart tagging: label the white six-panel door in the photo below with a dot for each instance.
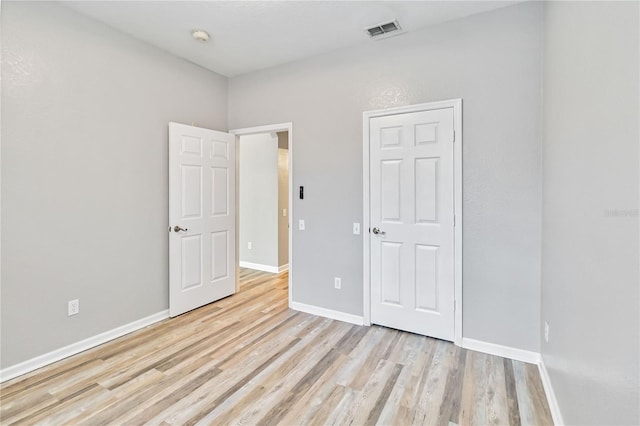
(202, 207)
(412, 222)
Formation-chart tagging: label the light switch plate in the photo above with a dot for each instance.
(356, 228)
(301, 225)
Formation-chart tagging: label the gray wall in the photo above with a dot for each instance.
(493, 62)
(84, 173)
(258, 198)
(590, 253)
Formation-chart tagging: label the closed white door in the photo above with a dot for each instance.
(412, 222)
(201, 217)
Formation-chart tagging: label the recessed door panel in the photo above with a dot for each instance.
(191, 146)
(220, 150)
(426, 277)
(191, 262)
(390, 271)
(426, 189)
(426, 133)
(219, 251)
(219, 191)
(390, 137)
(191, 191)
(390, 190)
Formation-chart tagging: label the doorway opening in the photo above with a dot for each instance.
(264, 200)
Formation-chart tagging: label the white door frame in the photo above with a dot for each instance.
(456, 104)
(270, 128)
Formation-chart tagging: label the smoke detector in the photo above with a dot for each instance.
(384, 30)
(200, 35)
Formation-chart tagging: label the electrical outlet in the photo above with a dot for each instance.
(301, 225)
(250, 245)
(284, 212)
(73, 307)
(546, 332)
(356, 229)
(337, 282)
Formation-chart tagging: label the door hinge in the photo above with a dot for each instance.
(454, 220)
(454, 135)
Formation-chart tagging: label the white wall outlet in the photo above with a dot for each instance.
(301, 225)
(284, 212)
(356, 228)
(73, 307)
(249, 245)
(337, 282)
(546, 332)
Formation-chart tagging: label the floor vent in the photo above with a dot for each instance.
(385, 30)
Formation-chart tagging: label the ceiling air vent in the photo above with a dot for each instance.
(385, 30)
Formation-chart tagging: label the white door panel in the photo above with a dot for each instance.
(201, 201)
(412, 204)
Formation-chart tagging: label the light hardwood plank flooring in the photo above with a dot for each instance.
(250, 360)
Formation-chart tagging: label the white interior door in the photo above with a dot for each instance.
(201, 217)
(412, 222)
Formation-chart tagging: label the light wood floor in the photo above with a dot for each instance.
(250, 360)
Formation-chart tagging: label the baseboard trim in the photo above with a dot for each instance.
(500, 350)
(551, 395)
(327, 313)
(283, 268)
(259, 267)
(81, 346)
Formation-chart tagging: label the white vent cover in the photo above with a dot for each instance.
(384, 30)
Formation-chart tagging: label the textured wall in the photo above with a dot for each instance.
(590, 210)
(84, 173)
(493, 62)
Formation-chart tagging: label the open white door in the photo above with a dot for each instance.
(201, 217)
(412, 221)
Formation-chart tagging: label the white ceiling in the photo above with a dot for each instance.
(251, 35)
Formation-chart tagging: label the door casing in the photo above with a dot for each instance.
(456, 104)
(270, 128)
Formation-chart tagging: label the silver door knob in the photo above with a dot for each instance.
(178, 229)
(377, 231)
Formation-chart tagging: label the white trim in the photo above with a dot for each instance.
(500, 350)
(551, 395)
(259, 267)
(456, 104)
(457, 207)
(327, 313)
(283, 268)
(366, 221)
(81, 346)
(280, 127)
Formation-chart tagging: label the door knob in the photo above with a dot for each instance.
(178, 229)
(378, 231)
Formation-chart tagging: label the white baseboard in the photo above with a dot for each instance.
(327, 313)
(283, 268)
(81, 346)
(259, 267)
(551, 395)
(499, 350)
